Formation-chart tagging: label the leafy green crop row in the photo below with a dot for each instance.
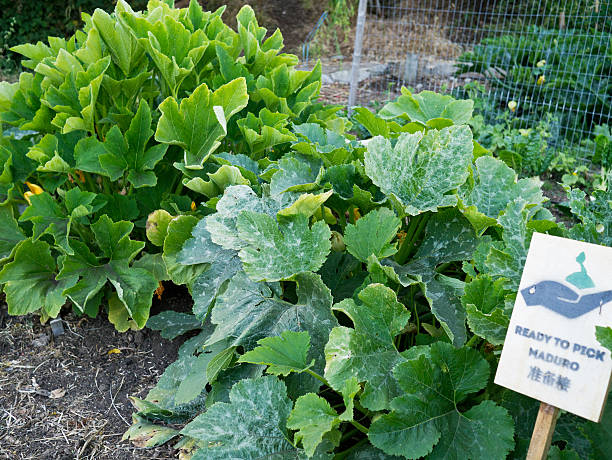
(350, 297)
(117, 122)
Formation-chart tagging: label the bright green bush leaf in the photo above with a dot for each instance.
(277, 251)
(372, 234)
(435, 383)
(428, 106)
(313, 417)
(47, 216)
(252, 425)
(306, 205)
(604, 335)
(218, 181)
(11, 234)
(200, 122)
(129, 153)
(422, 168)
(123, 48)
(265, 131)
(374, 124)
(30, 280)
(367, 351)
(134, 286)
(282, 354)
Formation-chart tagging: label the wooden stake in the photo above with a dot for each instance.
(543, 432)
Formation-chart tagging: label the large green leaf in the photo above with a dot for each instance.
(484, 302)
(507, 259)
(279, 250)
(421, 169)
(129, 154)
(200, 123)
(173, 48)
(134, 286)
(247, 312)
(449, 237)
(367, 350)
(313, 417)
(251, 425)
(265, 131)
(31, 282)
(49, 217)
(427, 107)
(426, 420)
(295, 174)
(125, 51)
(11, 234)
(283, 354)
(217, 181)
(495, 185)
(372, 234)
(179, 231)
(223, 264)
(222, 224)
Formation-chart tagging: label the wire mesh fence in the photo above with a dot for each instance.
(548, 59)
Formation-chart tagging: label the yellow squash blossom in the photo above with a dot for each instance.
(27, 196)
(541, 80)
(35, 189)
(512, 106)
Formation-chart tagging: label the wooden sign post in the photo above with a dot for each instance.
(543, 432)
(550, 352)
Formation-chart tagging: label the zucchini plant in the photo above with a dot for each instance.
(353, 303)
(130, 115)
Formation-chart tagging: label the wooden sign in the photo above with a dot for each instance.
(551, 353)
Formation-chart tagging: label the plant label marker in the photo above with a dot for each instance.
(551, 353)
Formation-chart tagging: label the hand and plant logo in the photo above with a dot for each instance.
(563, 299)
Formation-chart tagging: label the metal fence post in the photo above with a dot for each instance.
(361, 16)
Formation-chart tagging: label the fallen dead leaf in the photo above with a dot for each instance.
(57, 393)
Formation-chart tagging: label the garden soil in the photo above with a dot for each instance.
(67, 398)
